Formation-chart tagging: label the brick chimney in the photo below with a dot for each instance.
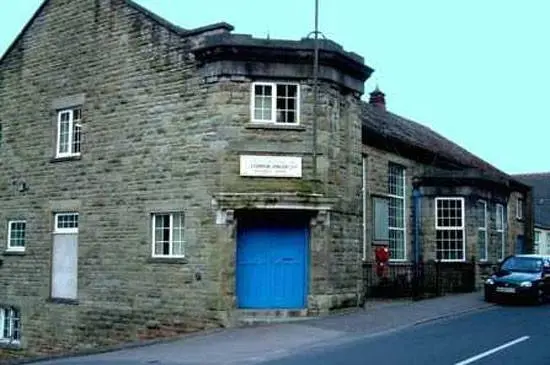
(378, 98)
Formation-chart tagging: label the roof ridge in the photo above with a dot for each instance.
(472, 160)
(527, 174)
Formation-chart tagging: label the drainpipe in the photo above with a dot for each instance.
(529, 230)
(417, 216)
(417, 247)
(364, 227)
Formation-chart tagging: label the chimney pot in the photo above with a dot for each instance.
(378, 98)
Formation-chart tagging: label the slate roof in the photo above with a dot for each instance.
(385, 124)
(541, 196)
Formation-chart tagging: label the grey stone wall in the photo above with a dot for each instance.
(377, 184)
(377, 172)
(147, 141)
(336, 248)
(156, 136)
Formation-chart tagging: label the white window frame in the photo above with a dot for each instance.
(404, 207)
(501, 230)
(484, 229)
(547, 244)
(70, 141)
(16, 248)
(457, 228)
(538, 241)
(519, 208)
(273, 119)
(65, 230)
(170, 235)
(13, 312)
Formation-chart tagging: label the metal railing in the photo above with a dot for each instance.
(420, 280)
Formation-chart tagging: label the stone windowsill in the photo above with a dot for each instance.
(10, 345)
(276, 126)
(66, 158)
(13, 253)
(400, 263)
(167, 260)
(63, 301)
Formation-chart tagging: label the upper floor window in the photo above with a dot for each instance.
(168, 229)
(275, 103)
(16, 235)
(69, 132)
(519, 208)
(449, 226)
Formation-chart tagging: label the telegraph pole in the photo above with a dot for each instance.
(315, 89)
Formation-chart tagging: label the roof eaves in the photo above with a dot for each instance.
(210, 27)
(542, 226)
(158, 19)
(175, 28)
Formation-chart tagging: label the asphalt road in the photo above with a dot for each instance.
(501, 335)
(505, 335)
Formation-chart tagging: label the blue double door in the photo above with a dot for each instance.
(272, 261)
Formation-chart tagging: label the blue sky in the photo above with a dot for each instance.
(475, 71)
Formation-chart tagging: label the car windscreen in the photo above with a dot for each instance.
(522, 264)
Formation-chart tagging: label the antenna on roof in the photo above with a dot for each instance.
(316, 33)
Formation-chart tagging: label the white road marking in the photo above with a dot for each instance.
(492, 351)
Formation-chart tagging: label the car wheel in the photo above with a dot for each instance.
(539, 297)
(488, 296)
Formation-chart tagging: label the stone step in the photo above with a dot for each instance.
(251, 317)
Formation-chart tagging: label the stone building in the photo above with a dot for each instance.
(157, 180)
(443, 202)
(540, 182)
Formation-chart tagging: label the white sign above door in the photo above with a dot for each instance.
(271, 166)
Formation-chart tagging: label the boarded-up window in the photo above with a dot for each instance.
(381, 215)
(65, 257)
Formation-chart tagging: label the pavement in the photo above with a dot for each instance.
(276, 342)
